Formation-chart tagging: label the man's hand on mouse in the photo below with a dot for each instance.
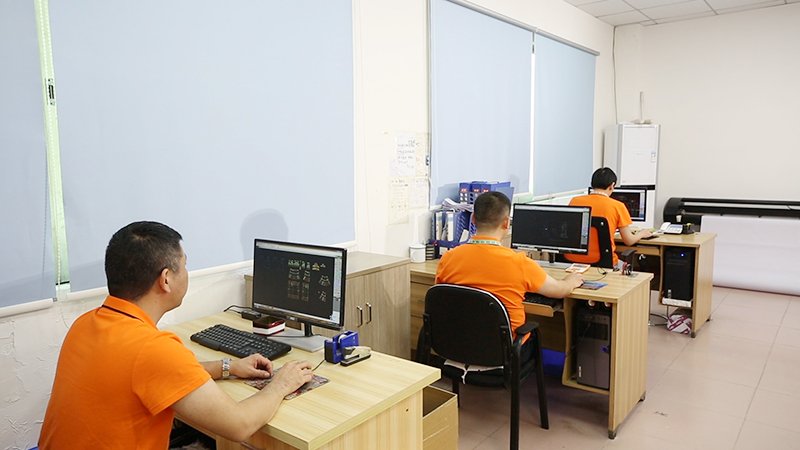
(291, 376)
(574, 280)
(253, 366)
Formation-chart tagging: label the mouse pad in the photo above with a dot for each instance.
(315, 382)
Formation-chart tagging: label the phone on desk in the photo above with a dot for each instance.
(671, 228)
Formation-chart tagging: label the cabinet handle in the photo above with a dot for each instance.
(370, 312)
(360, 315)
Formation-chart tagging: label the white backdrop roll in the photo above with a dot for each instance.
(756, 253)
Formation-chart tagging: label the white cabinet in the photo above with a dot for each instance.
(632, 152)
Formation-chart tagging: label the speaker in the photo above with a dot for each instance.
(592, 345)
(678, 276)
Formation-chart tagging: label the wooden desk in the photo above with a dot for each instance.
(703, 245)
(629, 298)
(376, 403)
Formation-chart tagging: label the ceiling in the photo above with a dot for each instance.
(652, 12)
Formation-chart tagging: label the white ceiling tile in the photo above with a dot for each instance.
(687, 17)
(642, 4)
(751, 6)
(677, 10)
(792, 1)
(606, 7)
(579, 2)
(727, 4)
(624, 18)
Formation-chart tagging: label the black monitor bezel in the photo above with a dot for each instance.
(295, 315)
(640, 191)
(552, 249)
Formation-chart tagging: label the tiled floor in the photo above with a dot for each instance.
(735, 386)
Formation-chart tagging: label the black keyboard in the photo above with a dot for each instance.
(531, 297)
(239, 343)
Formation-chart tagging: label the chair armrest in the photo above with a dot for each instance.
(526, 328)
(523, 331)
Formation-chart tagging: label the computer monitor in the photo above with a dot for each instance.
(300, 282)
(551, 228)
(633, 199)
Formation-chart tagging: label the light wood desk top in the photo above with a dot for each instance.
(617, 285)
(354, 395)
(674, 240)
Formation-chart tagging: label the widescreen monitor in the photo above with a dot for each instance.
(300, 282)
(633, 199)
(551, 228)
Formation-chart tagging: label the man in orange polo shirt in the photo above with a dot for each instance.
(484, 263)
(604, 180)
(120, 380)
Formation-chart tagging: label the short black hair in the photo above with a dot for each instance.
(603, 178)
(490, 209)
(136, 255)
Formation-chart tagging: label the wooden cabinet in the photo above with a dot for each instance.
(376, 302)
(422, 278)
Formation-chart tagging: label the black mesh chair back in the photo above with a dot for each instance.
(471, 326)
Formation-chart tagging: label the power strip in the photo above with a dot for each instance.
(676, 302)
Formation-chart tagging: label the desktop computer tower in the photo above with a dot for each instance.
(592, 345)
(678, 276)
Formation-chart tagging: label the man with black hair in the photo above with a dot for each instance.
(604, 180)
(484, 263)
(120, 380)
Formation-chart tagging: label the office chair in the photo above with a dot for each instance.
(471, 326)
(599, 237)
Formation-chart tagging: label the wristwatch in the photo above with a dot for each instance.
(226, 367)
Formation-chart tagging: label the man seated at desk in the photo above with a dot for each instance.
(484, 263)
(614, 211)
(120, 380)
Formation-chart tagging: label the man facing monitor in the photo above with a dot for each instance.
(604, 181)
(484, 263)
(120, 380)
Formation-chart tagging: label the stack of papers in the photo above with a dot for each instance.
(578, 268)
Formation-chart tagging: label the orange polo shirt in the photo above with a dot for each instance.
(116, 380)
(503, 272)
(615, 213)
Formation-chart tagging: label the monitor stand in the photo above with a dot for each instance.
(304, 340)
(551, 262)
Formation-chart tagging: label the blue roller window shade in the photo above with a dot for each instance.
(480, 100)
(225, 120)
(26, 256)
(563, 117)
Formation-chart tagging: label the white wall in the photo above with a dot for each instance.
(725, 91)
(391, 96)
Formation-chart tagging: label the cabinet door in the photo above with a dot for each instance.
(356, 316)
(387, 296)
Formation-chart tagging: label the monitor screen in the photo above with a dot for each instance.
(633, 199)
(300, 282)
(551, 228)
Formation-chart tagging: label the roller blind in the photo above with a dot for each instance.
(225, 120)
(26, 260)
(480, 100)
(563, 117)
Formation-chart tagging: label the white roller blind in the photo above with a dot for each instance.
(563, 117)
(26, 261)
(480, 100)
(225, 120)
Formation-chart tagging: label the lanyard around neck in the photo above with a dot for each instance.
(484, 241)
(121, 312)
